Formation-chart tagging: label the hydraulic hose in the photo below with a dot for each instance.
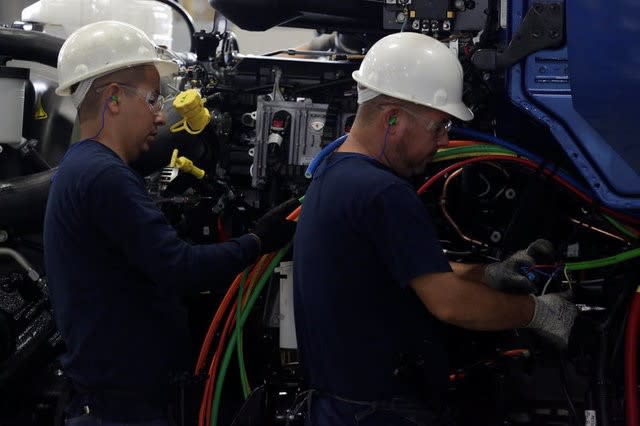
(33, 274)
(30, 46)
(244, 380)
(471, 150)
(322, 154)
(245, 314)
(23, 201)
(632, 413)
(474, 134)
(557, 176)
(606, 261)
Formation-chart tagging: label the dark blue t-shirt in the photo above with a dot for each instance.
(362, 236)
(117, 272)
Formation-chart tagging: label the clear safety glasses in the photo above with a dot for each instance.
(154, 101)
(439, 128)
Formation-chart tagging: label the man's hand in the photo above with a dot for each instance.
(553, 318)
(509, 274)
(273, 229)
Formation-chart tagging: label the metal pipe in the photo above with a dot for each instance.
(33, 274)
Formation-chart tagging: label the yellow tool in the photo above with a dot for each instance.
(190, 106)
(185, 165)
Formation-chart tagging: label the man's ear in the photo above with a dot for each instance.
(391, 119)
(112, 99)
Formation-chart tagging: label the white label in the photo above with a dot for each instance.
(454, 46)
(503, 13)
(317, 125)
(590, 418)
(573, 250)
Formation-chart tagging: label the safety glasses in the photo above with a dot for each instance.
(439, 128)
(154, 101)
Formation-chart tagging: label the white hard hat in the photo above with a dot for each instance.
(415, 68)
(103, 47)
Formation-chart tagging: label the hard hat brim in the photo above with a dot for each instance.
(165, 68)
(459, 110)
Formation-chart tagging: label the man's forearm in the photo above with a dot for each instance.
(469, 271)
(472, 305)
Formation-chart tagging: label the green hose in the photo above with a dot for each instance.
(606, 261)
(620, 227)
(244, 380)
(475, 149)
(232, 342)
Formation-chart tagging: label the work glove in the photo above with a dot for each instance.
(273, 229)
(510, 274)
(553, 318)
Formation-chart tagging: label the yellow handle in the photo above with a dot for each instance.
(185, 165)
(174, 157)
(190, 106)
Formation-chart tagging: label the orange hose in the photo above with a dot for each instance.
(204, 350)
(256, 271)
(205, 406)
(294, 214)
(252, 280)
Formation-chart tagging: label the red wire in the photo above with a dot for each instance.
(461, 143)
(532, 165)
(222, 233)
(631, 363)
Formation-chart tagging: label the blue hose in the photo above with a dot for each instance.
(311, 169)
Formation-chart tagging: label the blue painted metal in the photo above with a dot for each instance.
(587, 92)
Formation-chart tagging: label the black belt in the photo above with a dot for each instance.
(407, 407)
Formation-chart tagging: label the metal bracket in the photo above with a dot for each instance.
(541, 28)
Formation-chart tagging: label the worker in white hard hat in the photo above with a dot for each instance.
(372, 287)
(117, 271)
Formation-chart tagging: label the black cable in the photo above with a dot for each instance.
(619, 339)
(602, 380)
(324, 85)
(30, 46)
(565, 389)
(489, 32)
(265, 320)
(187, 18)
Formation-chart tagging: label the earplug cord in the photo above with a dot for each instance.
(106, 104)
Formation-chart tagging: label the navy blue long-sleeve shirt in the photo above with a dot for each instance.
(117, 272)
(361, 238)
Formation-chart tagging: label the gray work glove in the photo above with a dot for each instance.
(553, 318)
(508, 275)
